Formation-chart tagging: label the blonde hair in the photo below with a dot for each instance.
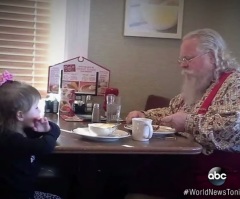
(15, 96)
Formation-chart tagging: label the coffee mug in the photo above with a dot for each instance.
(142, 129)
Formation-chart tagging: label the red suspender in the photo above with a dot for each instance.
(203, 109)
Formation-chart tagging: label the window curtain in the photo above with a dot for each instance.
(24, 40)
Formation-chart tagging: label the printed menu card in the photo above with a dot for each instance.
(76, 76)
(80, 74)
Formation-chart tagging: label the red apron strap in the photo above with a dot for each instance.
(203, 109)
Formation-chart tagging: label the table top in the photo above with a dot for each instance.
(74, 143)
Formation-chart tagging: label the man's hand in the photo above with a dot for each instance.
(176, 121)
(41, 125)
(133, 114)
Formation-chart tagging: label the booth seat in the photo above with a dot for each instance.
(57, 175)
(156, 101)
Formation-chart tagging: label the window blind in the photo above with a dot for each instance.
(24, 40)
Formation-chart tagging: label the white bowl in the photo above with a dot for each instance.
(102, 129)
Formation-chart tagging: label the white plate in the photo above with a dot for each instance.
(162, 130)
(85, 133)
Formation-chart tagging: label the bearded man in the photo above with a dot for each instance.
(207, 109)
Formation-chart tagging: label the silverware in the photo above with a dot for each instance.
(161, 137)
(66, 131)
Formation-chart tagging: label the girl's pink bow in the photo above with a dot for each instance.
(5, 77)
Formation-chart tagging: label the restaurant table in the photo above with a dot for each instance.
(73, 143)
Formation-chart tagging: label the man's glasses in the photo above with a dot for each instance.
(184, 60)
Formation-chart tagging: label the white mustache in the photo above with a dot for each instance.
(186, 72)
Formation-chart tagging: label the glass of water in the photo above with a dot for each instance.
(113, 108)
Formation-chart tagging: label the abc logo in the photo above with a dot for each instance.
(217, 176)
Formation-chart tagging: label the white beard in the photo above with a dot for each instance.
(195, 85)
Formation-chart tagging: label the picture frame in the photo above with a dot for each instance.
(154, 18)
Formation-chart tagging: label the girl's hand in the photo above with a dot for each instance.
(41, 125)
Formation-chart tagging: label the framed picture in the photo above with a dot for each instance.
(154, 18)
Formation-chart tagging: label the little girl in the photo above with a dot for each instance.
(24, 137)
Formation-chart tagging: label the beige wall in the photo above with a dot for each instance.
(142, 66)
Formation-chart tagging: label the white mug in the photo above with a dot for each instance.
(142, 129)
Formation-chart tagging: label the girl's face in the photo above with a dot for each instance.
(31, 116)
